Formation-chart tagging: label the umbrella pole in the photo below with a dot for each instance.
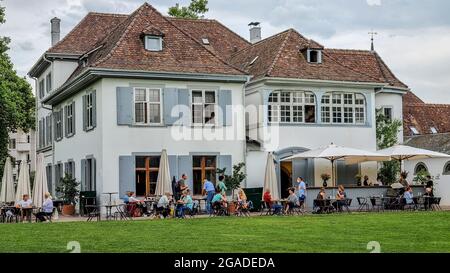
(332, 173)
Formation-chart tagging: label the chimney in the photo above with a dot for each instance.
(56, 30)
(255, 32)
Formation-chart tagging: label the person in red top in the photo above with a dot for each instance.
(269, 201)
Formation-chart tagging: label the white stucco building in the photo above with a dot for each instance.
(21, 148)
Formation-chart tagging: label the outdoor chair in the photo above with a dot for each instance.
(420, 203)
(47, 217)
(377, 204)
(218, 210)
(266, 209)
(194, 211)
(405, 206)
(323, 206)
(93, 213)
(436, 203)
(243, 210)
(363, 204)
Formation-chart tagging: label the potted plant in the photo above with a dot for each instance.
(358, 179)
(421, 177)
(69, 191)
(233, 181)
(325, 177)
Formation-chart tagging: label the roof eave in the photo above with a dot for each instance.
(44, 61)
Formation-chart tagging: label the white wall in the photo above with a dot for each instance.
(62, 70)
(435, 168)
(394, 101)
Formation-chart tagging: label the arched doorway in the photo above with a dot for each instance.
(285, 178)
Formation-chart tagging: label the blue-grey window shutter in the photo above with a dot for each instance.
(84, 114)
(127, 180)
(185, 167)
(94, 174)
(124, 105)
(225, 104)
(73, 118)
(173, 166)
(83, 174)
(94, 108)
(170, 102)
(225, 161)
(184, 102)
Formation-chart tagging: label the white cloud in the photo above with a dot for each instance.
(374, 2)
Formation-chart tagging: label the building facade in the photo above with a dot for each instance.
(21, 148)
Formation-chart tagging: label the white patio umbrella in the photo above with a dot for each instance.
(333, 153)
(403, 152)
(270, 178)
(7, 193)
(40, 182)
(23, 185)
(164, 182)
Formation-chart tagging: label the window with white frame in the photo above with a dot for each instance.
(153, 43)
(292, 107)
(90, 111)
(58, 124)
(147, 106)
(41, 89)
(204, 107)
(69, 119)
(48, 82)
(387, 112)
(343, 108)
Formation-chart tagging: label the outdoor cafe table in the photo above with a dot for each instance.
(4, 209)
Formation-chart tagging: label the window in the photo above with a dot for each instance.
(12, 144)
(344, 108)
(147, 169)
(153, 43)
(204, 105)
(58, 125)
(48, 82)
(387, 112)
(88, 179)
(48, 130)
(203, 167)
(89, 111)
(28, 138)
(48, 171)
(420, 167)
(292, 107)
(254, 60)
(41, 89)
(42, 131)
(28, 158)
(205, 41)
(58, 174)
(414, 130)
(434, 130)
(69, 169)
(70, 120)
(147, 106)
(447, 168)
(314, 56)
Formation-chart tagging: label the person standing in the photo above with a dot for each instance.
(181, 186)
(301, 190)
(429, 184)
(208, 190)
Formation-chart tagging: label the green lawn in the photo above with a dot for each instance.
(396, 232)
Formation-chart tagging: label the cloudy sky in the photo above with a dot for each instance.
(413, 35)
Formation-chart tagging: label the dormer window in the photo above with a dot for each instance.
(414, 130)
(434, 130)
(153, 43)
(205, 41)
(314, 56)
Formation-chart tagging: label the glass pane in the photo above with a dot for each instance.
(154, 43)
(298, 97)
(285, 96)
(273, 97)
(348, 98)
(297, 113)
(274, 113)
(326, 99)
(140, 161)
(359, 99)
(337, 99)
(210, 97)
(154, 161)
(310, 114)
(337, 115)
(153, 179)
(197, 181)
(309, 98)
(196, 161)
(139, 95)
(197, 97)
(210, 161)
(197, 114)
(153, 95)
(285, 113)
(155, 113)
(140, 183)
(210, 114)
(348, 115)
(140, 111)
(211, 175)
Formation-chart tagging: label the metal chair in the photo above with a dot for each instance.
(266, 209)
(363, 204)
(436, 203)
(377, 204)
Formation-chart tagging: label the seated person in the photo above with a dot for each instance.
(126, 197)
(140, 205)
(163, 205)
(242, 199)
(293, 200)
(408, 195)
(218, 199)
(272, 203)
(25, 205)
(321, 196)
(340, 198)
(184, 204)
(47, 209)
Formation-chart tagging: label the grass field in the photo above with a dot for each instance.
(396, 232)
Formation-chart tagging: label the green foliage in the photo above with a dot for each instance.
(421, 177)
(195, 10)
(387, 132)
(325, 177)
(233, 181)
(16, 99)
(68, 189)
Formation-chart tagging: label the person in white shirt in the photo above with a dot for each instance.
(163, 205)
(26, 206)
(47, 208)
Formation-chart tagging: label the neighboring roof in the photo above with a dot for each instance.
(410, 98)
(423, 116)
(92, 28)
(123, 49)
(222, 40)
(437, 142)
(280, 56)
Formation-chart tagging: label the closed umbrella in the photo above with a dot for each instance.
(270, 178)
(7, 193)
(333, 153)
(164, 182)
(23, 185)
(40, 182)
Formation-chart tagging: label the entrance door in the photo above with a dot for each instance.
(286, 178)
(203, 167)
(147, 169)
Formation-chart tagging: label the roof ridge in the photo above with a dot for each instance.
(260, 42)
(108, 14)
(380, 60)
(189, 19)
(352, 50)
(277, 56)
(424, 104)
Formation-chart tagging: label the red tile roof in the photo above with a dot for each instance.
(280, 56)
(423, 116)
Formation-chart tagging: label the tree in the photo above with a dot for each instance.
(195, 10)
(16, 99)
(233, 181)
(387, 132)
